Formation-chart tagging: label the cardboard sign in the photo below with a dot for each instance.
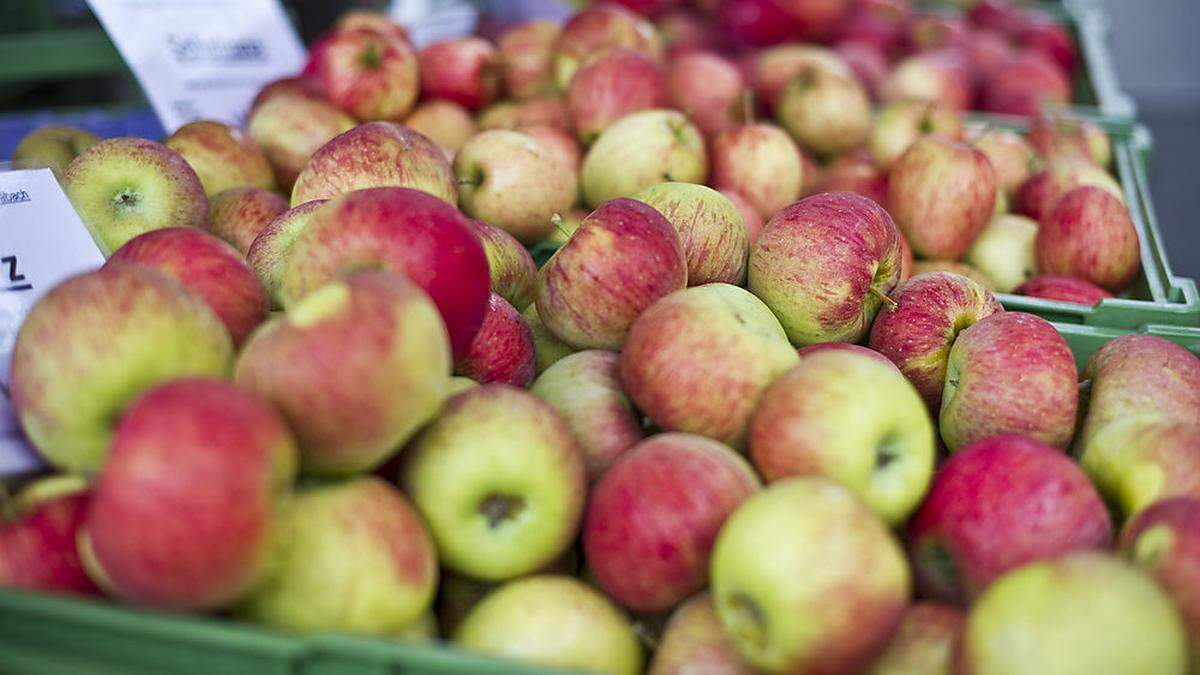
(202, 59)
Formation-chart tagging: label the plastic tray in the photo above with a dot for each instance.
(1096, 82)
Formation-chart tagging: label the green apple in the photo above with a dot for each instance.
(641, 150)
(808, 580)
(52, 147)
(553, 621)
(1080, 614)
(501, 481)
(714, 236)
(548, 348)
(826, 112)
(1004, 251)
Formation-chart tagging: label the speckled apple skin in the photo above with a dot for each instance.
(1064, 289)
(527, 51)
(1089, 234)
(240, 214)
(223, 157)
(715, 238)
(611, 86)
(466, 70)
(642, 150)
(369, 75)
(503, 349)
(290, 127)
(760, 162)
(268, 253)
(695, 642)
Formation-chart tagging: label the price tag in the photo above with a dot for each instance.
(42, 242)
(202, 59)
(429, 21)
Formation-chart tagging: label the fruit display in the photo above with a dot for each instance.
(669, 340)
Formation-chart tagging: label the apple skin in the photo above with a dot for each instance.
(1042, 191)
(714, 236)
(1052, 39)
(240, 214)
(1009, 373)
(695, 642)
(1024, 84)
(95, 342)
(356, 367)
(756, 23)
(206, 266)
(611, 85)
(500, 480)
(750, 215)
(1064, 289)
(399, 230)
(376, 154)
(942, 194)
(1010, 154)
(1079, 614)
(269, 251)
(553, 621)
(503, 349)
(465, 70)
(686, 29)
(52, 146)
(709, 87)
(527, 52)
(444, 122)
(1005, 251)
(549, 110)
(868, 62)
(877, 23)
(940, 77)
(760, 162)
(1055, 135)
(184, 512)
(548, 348)
(923, 643)
(514, 183)
(954, 267)
(900, 123)
(819, 264)
(1089, 234)
(699, 360)
(370, 75)
(1164, 541)
(290, 126)
(598, 29)
(852, 418)
(623, 258)
(652, 518)
(826, 113)
(122, 187)
(513, 273)
(641, 150)
(997, 504)
(376, 578)
(585, 388)
(37, 542)
(931, 310)
(853, 172)
(931, 31)
(367, 19)
(783, 619)
(773, 69)
(222, 156)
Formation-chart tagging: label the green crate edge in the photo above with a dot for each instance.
(1093, 35)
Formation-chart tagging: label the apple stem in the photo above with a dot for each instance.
(474, 182)
(883, 297)
(557, 221)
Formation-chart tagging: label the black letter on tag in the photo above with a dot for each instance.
(13, 275)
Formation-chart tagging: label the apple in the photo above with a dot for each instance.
(1164, 541)
(598, 29)
(376, 154)
(465, 70)
(52, 146)
(527, 54)
(714, 236)
(290, 127)
(623, 257)
(240, 214)
(183, 514)
(699, 360)
(990, 382)
(1045, 35)
(650, 8)
(503, 349)
(356, 367)
(1002, 16)
(1056, 135)
(553, 621)
(377, 21)
(399, 230)
(868, 62)
(1024, 84)
(760, 162)
(709, 87)
(1010, 155)
(122, 187)
(954, 267)
(444, 122)
(900, 123)
(561, 144)
(824, 112)
(923, 643)
(852, 418)
(565, 227)
(611, 85)
(686, 29)
(782, 617)
(931, 310)
(585, 388)
(377, 577)
(774, 69)
(941, 77)
(1043, 190)
(641, 150)
(1089, 234)
(756, 23)
(748, 212)
(1075, 615)
(513, 273)
(846, 250)
(544, 110)
(1063, 289)
(547, 347)
(930, 31)
(222, 156)
(854, 172)
(942, 194)
(695, 642)
(877, 23)
(37, 539)
(300, 85)
(270, 249)
(513, 182)
(206, 266)
(500, 480)
(370, 75)
(1005, 251)
(985, 502)
(95, 342)
(907, 263)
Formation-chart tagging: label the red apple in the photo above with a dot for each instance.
(756, 23)
(513, 273)
(611, 85)
(854, 172)
(1064, 289)
(1003, 16)
(1164, 540)
(1010, 155)
(1024, 83)
(598, 29)
(1042, 191)
(222, 156)
(1057, 136)
(940, 76)
(1089, 234)
(465, 70)
(929, 31)
(817, 20)
(272, 246)
(876, 22)
(868, 62)
(1045, 35)
(997, 504)
(775, 68)
(37, 542)
(502, 350)
(749, 213)
(445, 122)
(649, 8)
(544, 110)
(370, 75)
(290, 126)
(559, 142)
(378, 22)
(694, 642)
(683, 30)
(923, 643)
(527, 54)
(239, 214)
(711, 229)
(900, 123)
(761, 162)
(709, 87)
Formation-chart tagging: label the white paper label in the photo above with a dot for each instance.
(428, 21)
(42, 242)
(202, 59)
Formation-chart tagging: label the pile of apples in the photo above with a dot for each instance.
(730, 428)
